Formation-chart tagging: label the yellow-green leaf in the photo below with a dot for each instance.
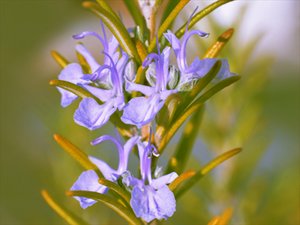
(168, 21)
(77, 90)
(124, 212)
(69, 217)
(179, 33)
(208, 167)
(116, 188)
(76, 153)
(116, 27)
(62, 61)
(215, 49)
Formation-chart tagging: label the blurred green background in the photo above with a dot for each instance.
(30, 115)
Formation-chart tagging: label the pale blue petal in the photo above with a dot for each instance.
(174, 41)
(131, 86)
(141, 110)
(66, 97)
(92, 115)
(87, 181)
(102, 94)
(224, 71)
(71, 73)
(201, 67)
(108, 172)
(149, 204)
(165, 203)
(163, 180)
(88, 57)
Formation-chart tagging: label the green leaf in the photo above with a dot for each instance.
(185, 146)
(59, 59)
(167, 22)
(126, 213)
(76, 154)
(208, 167)
(170, 6)
(181, 178)
(215, 49)
(196, 104)
(137, 16)
(116, 188)
(68, 216)
(106, 6)
(216, 88)
(116, 27)
(179, 33)
(77, 90)
(170, 132)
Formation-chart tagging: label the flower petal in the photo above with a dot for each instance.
(131, 86)
(102, 94)
(87, 181)
(140, 110)
(71, 73)
(92, 115)
(174, 41)
(224, 71)
(163, 180)
(108, 172)
(88, 57)
(149, 204)
(201, 67)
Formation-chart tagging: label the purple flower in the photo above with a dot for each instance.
(104, 81)
(198, 68)
(88, 180)
(92, 115)
(151, 198)
(141, 110)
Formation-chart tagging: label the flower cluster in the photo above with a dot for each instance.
(112, 85)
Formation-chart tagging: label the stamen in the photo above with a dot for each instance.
(190, 18)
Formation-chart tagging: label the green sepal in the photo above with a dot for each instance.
(207, 168)
(68, 216)
(179, 33)
(112, 203)
(77, 90)
(116, 27)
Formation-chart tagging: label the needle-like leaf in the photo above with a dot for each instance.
(116, 188)
(208, 167)
(168, 21)
(185, 146)
(137, 16)
(124, 212)
(62, 61)
(76, 154)
(179, 33)
(215, 49)
(77, 90)
(69, 217)
(116, 27)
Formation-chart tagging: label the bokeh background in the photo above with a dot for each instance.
(262, 185)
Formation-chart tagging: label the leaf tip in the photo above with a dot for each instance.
(56, 137)
(52, 82)
(69, 193)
